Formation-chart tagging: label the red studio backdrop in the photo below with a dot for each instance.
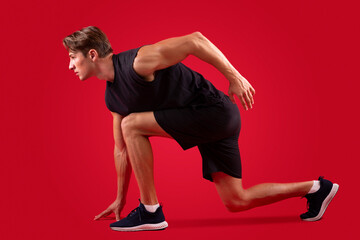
(57, 168)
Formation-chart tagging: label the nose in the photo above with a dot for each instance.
(71, 65)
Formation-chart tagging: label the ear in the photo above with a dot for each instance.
(93, 54)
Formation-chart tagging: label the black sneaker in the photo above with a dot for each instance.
(319, 200)
(140, 219)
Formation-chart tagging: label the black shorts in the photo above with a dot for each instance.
(213, 128)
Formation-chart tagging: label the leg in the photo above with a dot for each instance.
(237, 199)
(136, 129)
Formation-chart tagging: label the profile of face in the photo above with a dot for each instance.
(81, 65)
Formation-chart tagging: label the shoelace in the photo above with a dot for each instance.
(135, 211)
(307, 205)
(307, 202)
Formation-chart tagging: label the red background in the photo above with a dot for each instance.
(57, 168)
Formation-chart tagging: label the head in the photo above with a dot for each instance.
(85, 47)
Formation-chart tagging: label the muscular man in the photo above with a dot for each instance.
(151, 93)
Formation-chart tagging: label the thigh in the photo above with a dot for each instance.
(145, 124)
(195, 125)
(221, 156)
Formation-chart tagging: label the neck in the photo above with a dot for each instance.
(105, 68)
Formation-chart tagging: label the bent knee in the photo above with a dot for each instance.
(128, 125)
(237, 204)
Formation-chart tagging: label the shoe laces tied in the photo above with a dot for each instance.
(135, 211)
(307, 205)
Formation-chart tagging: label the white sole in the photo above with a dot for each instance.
(143, 227)
(325, 204)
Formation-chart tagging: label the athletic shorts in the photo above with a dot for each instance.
(214, 129)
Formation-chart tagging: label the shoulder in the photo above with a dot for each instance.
(131, 53)
(126, 58)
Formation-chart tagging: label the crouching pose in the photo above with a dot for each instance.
(151, 93)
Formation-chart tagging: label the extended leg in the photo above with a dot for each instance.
(137, 128)
(237, 199)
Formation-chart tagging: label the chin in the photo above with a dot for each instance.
(83, 78)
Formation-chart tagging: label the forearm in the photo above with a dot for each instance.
(208, 52)
(239, 86)
(123, 172)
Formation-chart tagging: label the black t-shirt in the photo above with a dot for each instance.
(174, 87)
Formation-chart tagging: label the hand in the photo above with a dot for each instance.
(243, 90)
(115, 208)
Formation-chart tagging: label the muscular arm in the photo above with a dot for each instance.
(170, 51)
(123, 171)
(122, 163)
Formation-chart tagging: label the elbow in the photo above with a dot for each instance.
(197, 40)
(197, 34)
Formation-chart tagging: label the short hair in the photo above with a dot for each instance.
(88, 38)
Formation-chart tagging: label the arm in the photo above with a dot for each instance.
(122, 163)
(123, 170)
(168, 52)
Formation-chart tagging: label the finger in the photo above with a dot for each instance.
(117, 215)
(252, 90)
(231, 96)
(251, 97)
(248, 100)
(105, 213)
(243, 103)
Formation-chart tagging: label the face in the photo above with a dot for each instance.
(81, 65)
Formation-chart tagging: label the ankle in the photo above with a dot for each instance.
(152, 208)
(315, 187)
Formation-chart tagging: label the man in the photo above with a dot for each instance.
(151, 93)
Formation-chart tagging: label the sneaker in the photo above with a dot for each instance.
(319, 200)
(140, 219)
